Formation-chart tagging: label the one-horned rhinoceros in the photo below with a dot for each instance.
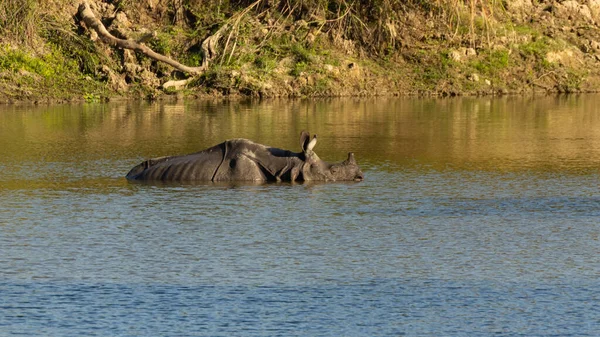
(244, 160)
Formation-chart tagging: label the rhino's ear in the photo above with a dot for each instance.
(351, 159)
(304, 140)
(312, 143)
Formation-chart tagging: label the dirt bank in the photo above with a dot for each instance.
(296, 48)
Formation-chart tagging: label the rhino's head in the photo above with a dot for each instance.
(316, 169)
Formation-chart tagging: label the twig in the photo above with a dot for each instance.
(215, 37)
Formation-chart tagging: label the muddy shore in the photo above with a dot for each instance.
(265, 49)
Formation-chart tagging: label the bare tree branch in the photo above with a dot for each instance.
(86, 14)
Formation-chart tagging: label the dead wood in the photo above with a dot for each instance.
(87, 15)
(210, 46)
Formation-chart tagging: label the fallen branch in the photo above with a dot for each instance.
(177, 84)
(86, 14)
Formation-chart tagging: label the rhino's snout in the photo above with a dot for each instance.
(359, 177)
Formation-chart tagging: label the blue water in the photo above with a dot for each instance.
(366, 259)
(376, 307)
(422, 247)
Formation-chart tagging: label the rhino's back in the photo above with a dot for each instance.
(235, 159)
(242, 161)
(199, 166)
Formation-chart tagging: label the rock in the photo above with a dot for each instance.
(594, 6)
(149, 78)
(585, 48)
(470, 52)
(518, 5)
(121, 20)
(115, 82)
(332, 69)
(455, 55)
(488, 82)
(473, 77)
(559, 57)
(132, 68)
(520, 10)
(573, 9)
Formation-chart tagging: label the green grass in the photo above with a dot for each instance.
(434, 67)
(491, 63)
(298, 69)
(162, 43)
(47, 66)
(538, 48)
(47, 75)
(302, 54)
(265, 63)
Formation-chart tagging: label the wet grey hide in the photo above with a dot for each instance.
(244, 160)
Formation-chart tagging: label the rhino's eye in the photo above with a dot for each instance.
(335, 169)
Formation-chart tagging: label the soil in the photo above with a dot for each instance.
(257, 50)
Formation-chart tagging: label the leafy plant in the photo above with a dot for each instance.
(302, 54)
(91, 98)
(538, 48)
(265, 63)
(492, 62)
(162, 43)
(298, 69)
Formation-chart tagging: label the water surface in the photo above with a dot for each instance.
(476, 217)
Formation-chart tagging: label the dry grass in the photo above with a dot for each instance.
(18, 20)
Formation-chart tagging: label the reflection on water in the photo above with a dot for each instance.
(477, 217)
(558, 133)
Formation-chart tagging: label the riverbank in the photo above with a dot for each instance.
(296, 49)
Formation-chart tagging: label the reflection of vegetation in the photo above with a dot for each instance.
(470, 133)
